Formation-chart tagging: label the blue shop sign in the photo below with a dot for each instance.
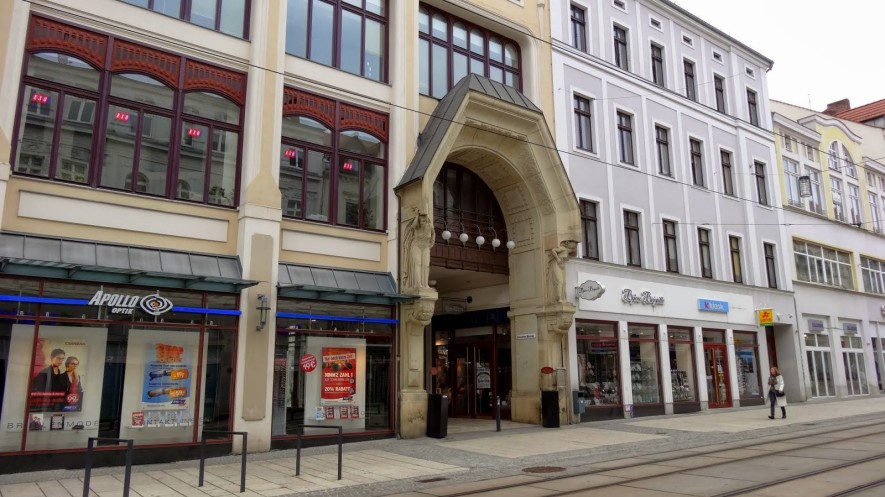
(713, 305)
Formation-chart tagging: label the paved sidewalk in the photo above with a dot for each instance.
(472, 453)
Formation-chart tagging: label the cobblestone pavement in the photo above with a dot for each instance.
(472, 452)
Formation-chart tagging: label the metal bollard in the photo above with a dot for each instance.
(126, 479)
(242, 459)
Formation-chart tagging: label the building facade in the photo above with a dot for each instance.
(682, 278)
(832, 190)
(238, 216)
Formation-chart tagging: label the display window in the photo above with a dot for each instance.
(333, 365)
(82, 360)
(855, 367)
(644, 364)
(598, 366)
(682, 367)
(746, 351)
(818, 355)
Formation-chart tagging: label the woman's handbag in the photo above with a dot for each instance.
(779, 393)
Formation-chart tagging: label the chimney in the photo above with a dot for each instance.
(838, 107)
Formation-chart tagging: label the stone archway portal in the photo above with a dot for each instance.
(517, 159)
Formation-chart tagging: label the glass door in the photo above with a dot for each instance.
(717, 376)
(474, 382)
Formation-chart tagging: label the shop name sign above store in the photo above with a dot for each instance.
(119, 303)
(644, 298)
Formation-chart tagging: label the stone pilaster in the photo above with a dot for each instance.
(416, 316)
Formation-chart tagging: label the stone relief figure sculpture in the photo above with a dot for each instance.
(556, 258)
(417, 240)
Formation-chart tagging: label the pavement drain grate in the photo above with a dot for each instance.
(543, 469)
(431, 480)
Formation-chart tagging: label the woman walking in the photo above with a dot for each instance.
(776, 393)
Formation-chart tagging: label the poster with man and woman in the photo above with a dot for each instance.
(56, 381)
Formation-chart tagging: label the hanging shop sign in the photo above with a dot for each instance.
(644, 298)
(849, 328)
(713, 305)
(765, 316)
(815, 325)
(120, 303)
(590, 290)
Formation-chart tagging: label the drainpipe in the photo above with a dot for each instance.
(398, 335)
(803, 383)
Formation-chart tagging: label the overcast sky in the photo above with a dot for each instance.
(823, 50)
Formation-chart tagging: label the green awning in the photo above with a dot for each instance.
(338, 285)
(47, 257)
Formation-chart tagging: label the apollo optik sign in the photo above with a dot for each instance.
(119, 303)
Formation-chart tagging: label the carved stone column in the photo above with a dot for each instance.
(416, 316)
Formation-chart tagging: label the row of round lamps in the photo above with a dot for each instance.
(480, 240)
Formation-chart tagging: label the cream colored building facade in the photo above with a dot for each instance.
(497, 134)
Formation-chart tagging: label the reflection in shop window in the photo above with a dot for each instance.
(682, 372)
(644, 365)
(598, 376)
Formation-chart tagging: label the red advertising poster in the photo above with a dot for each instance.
(344, 412)
(56, 383)
(330, 413)
(339, 375)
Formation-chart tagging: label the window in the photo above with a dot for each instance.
(328, 175)
(811, 152)
(691, 90)
(790, 144)
(671, 253)
(854, 205)
(727, 172)
(621, 59)
(750, 72)
(590, 220)
(579, 28)
(770, 266)
(876, 220)
(687, 40)
(657, 64)
(836, 192)
(717, 56)
(761, 188)
(625, 137)
(873, 275)
(752, 108)
(818, 264)
(791, 182)
(350, 35)
(228, 16)
(662, 144)
(620, 4)
(815, 203)
(734, 244)
(719, 87)
(848, 164)
(655, 23)
(583, 124)
(833, 156)
(631, 238)
(705, 253)
(697, 162)
(154, 133)
(451, 48)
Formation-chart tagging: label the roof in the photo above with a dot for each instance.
(48, 257)
(444, 115)
(864, 112)
(340, 285)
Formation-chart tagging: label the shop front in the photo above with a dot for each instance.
(82, 359)
(647, 348)
(334, 354)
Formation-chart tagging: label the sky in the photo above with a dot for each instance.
(823, 50)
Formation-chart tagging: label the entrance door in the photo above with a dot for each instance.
(473, 381)
(716, 361)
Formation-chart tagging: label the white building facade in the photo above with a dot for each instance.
(683, 279)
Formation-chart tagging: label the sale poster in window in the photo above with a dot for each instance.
(167, 374)
(339, 375)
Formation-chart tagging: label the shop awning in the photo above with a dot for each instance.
(338, 285)
(30, 255)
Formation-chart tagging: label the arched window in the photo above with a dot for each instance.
(333, 174)
(77, 82)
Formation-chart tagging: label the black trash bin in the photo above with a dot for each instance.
(550, 409)
(437, 415)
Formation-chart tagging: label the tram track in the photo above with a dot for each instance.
(805, 434)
